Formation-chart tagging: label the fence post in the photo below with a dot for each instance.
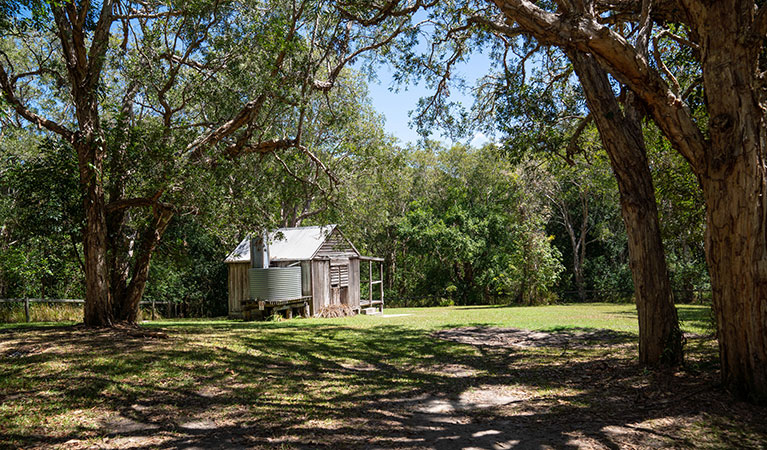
(152, 308)
(26, 309)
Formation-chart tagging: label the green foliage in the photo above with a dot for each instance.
(470, 232)
(39, 220)
(188, 269)
(682, 219)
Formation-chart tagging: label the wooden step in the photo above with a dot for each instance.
(370, 311)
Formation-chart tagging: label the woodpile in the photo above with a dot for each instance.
(331, 311)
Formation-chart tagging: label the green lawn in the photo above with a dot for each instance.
(410, 381)
(618, 317)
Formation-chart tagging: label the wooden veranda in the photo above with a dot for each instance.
(371, 302)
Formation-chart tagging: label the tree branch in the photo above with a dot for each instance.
(309, 214)
(7, 89)
(325, 86)
(264, 147)
(145, 15)
(252, 108)
(496, 27)
(153, 201)
(387, 11)
(611, 50)
(572, 146)
(100, 42)
(659, 61)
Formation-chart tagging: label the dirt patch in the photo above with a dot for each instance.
(507, 337)
(122, 425)
(483, 397)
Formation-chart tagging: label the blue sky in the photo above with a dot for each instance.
(396, 106)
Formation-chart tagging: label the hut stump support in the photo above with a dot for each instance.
(381, 285)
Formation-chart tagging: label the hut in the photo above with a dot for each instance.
(329, 273)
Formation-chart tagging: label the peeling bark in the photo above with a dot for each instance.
(660, 339)
(734, 187)
(98, 300)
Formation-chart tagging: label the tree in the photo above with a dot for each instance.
(474, 230)
(621, 131)
(157, 94)
(726, 152)
(572, 192)
(660, 339)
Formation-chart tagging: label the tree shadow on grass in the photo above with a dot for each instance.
(696, 316)
(690, 316)
(319, 385)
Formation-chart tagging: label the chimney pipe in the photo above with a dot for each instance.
(259, 252)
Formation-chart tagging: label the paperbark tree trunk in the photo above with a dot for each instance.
(660, 339)
(734, 182)
(98, 302)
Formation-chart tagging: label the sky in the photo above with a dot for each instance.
(396, 106)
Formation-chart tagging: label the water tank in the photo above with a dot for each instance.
(275, 283)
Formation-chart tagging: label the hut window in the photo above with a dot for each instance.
(339, 275)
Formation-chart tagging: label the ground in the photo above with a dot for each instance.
(432, 378)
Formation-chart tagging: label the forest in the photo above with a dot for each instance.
(142, 140)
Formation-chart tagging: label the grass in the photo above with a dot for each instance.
(388, 382)
(618, 317)
(48, 313)
(40, 312)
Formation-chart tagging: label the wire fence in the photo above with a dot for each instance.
(169, 306)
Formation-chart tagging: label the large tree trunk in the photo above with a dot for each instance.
(735, 190)
(127, 309)
(660, 339)
(736, 247)
(98, 308)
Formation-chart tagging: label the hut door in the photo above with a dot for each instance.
(339, 283)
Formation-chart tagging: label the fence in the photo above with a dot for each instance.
(27, 301)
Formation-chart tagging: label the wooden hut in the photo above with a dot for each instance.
(330, 269)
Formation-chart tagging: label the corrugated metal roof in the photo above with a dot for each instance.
(287, 244)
